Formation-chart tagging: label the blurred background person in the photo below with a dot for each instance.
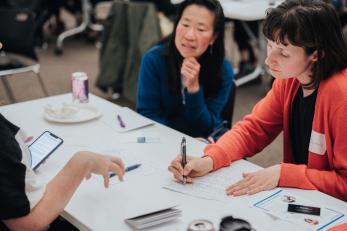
(185, 83)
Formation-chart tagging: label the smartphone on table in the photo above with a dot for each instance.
(43, 147)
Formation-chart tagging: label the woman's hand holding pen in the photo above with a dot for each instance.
(196, 166)
(190, 71)
(262, 180)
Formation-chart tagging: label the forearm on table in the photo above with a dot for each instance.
(330, 182)
(58, 193)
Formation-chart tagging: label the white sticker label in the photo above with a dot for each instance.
(317, 143)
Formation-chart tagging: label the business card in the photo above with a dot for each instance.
(294, 208)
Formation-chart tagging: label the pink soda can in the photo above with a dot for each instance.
(79, 87)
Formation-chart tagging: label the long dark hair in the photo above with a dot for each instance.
(211, 64)
(314, 26)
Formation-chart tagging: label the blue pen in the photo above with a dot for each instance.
(127, 169)
(121, 122)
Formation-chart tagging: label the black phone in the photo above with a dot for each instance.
(43, 147)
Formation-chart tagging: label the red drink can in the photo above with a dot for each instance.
(79, 87)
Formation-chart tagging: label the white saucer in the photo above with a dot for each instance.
(80, 113)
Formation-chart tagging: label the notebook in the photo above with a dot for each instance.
(128, 120)
(150, 219)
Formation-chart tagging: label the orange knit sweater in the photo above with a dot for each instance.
(342, 227)
(326, 169)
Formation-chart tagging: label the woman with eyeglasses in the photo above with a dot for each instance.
(307, 55)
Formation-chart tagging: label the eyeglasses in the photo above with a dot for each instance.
(230, 223)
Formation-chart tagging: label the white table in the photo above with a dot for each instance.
(245, 10)
(94, 208)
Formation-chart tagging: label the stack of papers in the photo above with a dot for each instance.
(142, 213)
(153, 218)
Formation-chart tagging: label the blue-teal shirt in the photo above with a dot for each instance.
(197, 117)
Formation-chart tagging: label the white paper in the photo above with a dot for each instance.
(277, 204)
(213, 185)
(147, 167)
(131, 119)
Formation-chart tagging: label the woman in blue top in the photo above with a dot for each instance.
(186, 82)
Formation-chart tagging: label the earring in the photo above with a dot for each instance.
(211, 49)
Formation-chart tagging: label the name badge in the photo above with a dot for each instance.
(317, 143)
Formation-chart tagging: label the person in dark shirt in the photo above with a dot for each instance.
(27, 203)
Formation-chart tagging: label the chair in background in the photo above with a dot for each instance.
(130, 29)
(17, 35)
(226, 114)
(40, 10)
(228, 110)
(86, 23)
(16, 4)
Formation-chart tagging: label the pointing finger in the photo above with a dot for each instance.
(106, 179)
(118, 170)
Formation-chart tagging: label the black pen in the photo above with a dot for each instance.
(121, 122)
(184, 157)
(127, 169)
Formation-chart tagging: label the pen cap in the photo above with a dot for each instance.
(183, 152)
(183, 146)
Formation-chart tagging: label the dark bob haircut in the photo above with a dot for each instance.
(314, 26)
(211, 64)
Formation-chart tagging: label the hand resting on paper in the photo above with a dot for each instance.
(196, 166)
(262, 180)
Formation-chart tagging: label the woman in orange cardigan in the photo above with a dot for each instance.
(307, 55)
